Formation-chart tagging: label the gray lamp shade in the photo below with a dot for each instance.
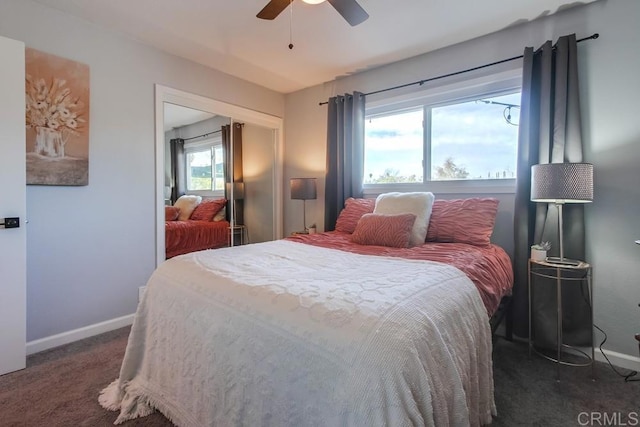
(562, 183)
(238, 190)
(303, 188)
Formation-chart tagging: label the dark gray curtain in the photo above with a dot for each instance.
(345, 153)
(233, 165)
(550, 132)
(178, 176)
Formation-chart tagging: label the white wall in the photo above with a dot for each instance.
(609, 68)
(89, 248)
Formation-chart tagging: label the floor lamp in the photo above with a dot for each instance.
(235, 193)
(303, 189)
(561, 183)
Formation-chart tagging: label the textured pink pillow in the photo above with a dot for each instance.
(353, 210)
(207, 209)
(171, 213)
(384, 230)
(468, 221)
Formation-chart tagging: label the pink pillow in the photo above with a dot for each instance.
(207, 209)
(353, 210)
(171, 213)
(384, 230)
(468, 221)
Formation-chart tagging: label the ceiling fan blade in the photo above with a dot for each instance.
(350, 10)
(273, 9)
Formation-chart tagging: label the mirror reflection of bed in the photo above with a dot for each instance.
(198, 172)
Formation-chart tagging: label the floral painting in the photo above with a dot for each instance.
(57, 119)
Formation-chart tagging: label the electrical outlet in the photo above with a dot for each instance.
(141, 291)
(12, 222)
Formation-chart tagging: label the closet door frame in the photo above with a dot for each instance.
(164, 94)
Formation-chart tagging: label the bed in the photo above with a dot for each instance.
(182, 237)
(316, 330)
(193, 224)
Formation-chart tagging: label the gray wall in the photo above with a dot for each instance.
(90, 248)
(609, 68)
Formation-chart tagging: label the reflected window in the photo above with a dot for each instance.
(204, 166)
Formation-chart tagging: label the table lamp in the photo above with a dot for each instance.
(303, 189)
(561, 183)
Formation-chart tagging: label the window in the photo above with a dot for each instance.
(475, 139)
(393, 148)
(468, 135)
(204, 166)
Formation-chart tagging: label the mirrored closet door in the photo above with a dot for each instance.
(216, 150)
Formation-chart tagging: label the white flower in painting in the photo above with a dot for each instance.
(51, 105)
(64, 112)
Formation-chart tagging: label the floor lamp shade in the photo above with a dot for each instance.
(561, 183)
(238, 190)
(303, 189)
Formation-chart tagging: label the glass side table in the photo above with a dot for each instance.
(559, 274)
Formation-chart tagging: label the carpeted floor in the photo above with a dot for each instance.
(527, 393)
(60, 388)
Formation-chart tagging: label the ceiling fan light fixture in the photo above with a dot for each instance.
(350, 10)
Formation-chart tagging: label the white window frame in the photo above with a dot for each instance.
(190, 147)
(476, 88)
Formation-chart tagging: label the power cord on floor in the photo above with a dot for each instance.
(628, 377)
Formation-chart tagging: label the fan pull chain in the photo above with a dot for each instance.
(290, 24)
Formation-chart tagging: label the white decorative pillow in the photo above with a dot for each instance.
(222, 213)
(186, 204)
(417, 203)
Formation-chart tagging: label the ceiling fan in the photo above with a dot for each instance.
(350, 10)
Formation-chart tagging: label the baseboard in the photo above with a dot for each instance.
(622, 360)
(46, 343)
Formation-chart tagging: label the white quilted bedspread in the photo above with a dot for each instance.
(287, 334)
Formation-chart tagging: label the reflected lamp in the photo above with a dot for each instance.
(303, 189)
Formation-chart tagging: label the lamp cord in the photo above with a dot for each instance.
(628, 377)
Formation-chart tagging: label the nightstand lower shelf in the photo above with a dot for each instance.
(563, 354)
(240, 235)
(567, 350)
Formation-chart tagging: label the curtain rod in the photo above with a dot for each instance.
(210, 133)
(202, 136)
(455, 73)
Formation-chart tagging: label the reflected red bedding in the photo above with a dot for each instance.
(182, 237)
(488, 267)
